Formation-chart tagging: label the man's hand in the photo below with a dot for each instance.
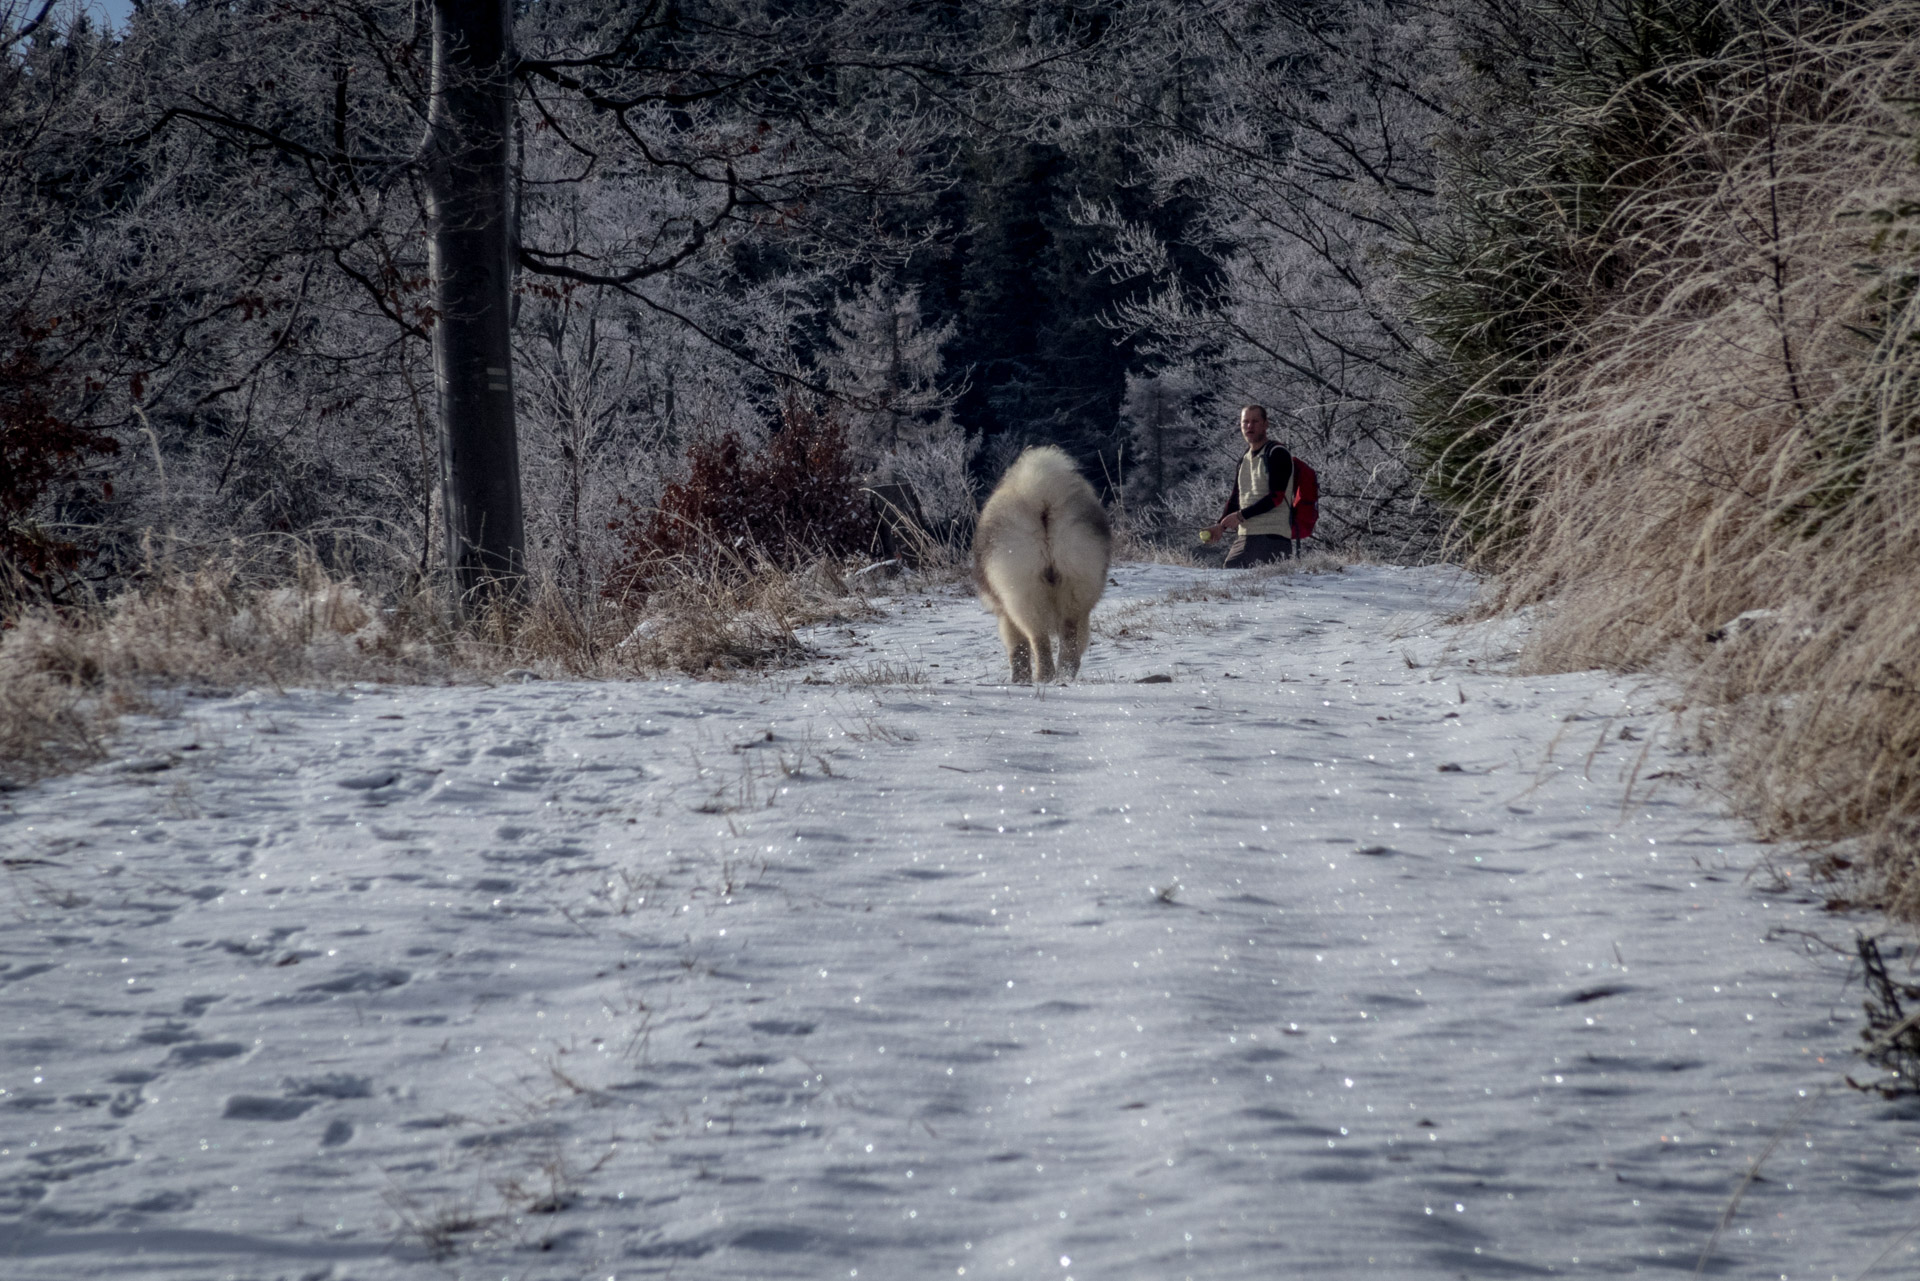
(1230, 521)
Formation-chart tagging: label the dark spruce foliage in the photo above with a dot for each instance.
(1577, 115)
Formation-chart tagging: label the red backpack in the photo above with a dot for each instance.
(1306, 498)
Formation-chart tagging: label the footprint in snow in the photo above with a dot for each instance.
(172, 1201)
(255, 1107)
(333, 1085)
(198, 1052)
(14, 973)
(361, 981)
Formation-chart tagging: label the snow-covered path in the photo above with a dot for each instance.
(1337, 954)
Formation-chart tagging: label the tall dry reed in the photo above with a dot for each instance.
(1738, 434)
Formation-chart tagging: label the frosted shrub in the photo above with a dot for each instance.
(738, 509)
(939, 468)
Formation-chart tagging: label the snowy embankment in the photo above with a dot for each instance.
(1342, 952)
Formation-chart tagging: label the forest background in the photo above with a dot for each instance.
(1613, 299)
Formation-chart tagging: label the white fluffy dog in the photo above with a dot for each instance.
(1040, 561)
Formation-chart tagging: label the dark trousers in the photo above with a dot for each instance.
(1258, 549)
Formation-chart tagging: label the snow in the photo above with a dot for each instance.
(1344, 951)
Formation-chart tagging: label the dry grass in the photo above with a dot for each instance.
(1161, 554)
(67, 675)
(938, 559)
(46, 727)
(1741, 432)
(1152, 542)
(715, 625)
(882, 672)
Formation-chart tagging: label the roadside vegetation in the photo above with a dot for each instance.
(238, 620)
(1675, 389)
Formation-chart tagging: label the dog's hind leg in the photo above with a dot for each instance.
(1043, 658)
(1019, 652)
(1073, 644)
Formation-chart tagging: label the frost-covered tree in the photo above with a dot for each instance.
(294, 196)
(186, 308)
(885, 363)
(1302, 135)
(895, 392)
(1167, 438)
(610, 390)
(611, 396)
(939, 465)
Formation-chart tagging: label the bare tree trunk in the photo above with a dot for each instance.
(469, 183)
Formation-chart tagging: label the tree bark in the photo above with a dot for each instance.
(468, 189)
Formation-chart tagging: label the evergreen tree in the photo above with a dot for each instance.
(1167, 439)
(887, 364)
(1031, 306)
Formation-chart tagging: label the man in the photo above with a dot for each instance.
(1260, 504)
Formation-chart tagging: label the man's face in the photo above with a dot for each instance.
(1253, 425)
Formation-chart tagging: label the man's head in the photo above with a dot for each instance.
(1253, 425)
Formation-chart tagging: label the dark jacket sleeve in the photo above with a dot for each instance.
(1279, 474)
